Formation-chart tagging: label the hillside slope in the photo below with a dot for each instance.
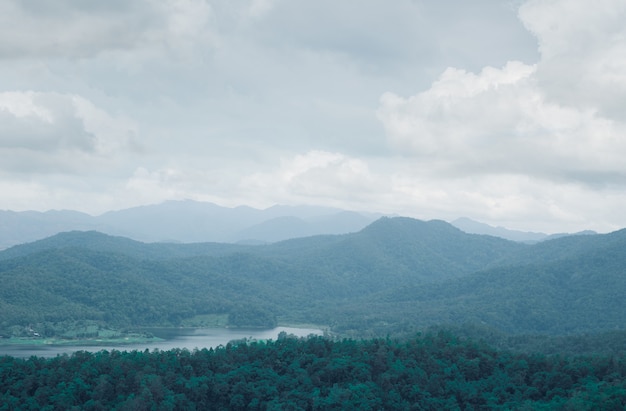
(395, 275)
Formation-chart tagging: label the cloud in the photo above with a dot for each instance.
(322, 177)
(259, 8)
(75, 29)
(583, 52)
(258, 102)
(54, 132)
(189, 25)
(402, 186)
(505, 120)
(374, 37)
(514, 201)
(523, 144)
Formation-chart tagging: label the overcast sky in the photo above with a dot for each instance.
(507, 112)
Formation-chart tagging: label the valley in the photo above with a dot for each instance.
(394, 277)
(414, 313)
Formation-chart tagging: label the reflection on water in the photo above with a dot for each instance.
(172, 338)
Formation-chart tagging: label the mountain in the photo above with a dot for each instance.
(569, 285)
(399, 250)
(474, 227)
(559, 235)
(581, 295)
(276, 229)
(192, 221)
(21, 227)
(186, 222)
(287, 227)
(395, 276)
(288, 278)
(96, 241)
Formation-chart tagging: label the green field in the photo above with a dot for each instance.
(73, 333)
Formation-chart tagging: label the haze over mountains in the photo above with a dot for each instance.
(190, 221)
(360, 274)
(186, 222)
(393, 276)
(475, 227)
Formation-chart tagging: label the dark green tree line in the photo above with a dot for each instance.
(434, 372)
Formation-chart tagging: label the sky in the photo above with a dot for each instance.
(507, 112)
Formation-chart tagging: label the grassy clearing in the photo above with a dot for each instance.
(121, 340)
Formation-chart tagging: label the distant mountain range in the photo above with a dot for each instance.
(191, 221)
(186, 222)
(396, 275)
(475, 227)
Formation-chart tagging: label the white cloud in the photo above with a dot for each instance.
(551, 120)
(402, 186)
(520, 143)
(112, 134)
(53, 132)
(583, 52)
(500, 121)
(315, 177)
(152, 186)
(271, 101)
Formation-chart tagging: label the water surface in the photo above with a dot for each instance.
(188, 338)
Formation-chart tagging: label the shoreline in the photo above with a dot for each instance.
(25, 341)
(132, 338)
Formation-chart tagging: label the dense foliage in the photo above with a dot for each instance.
(434, 372)
(394, 277)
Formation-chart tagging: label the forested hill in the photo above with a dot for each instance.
(96, 241)
(391, 277)
(434, 372)
(572, 290)
(396, 250)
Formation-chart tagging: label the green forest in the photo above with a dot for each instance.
(395, 277)
(420, 315)
(430, 372)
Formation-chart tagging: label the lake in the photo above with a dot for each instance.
(189, 338)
